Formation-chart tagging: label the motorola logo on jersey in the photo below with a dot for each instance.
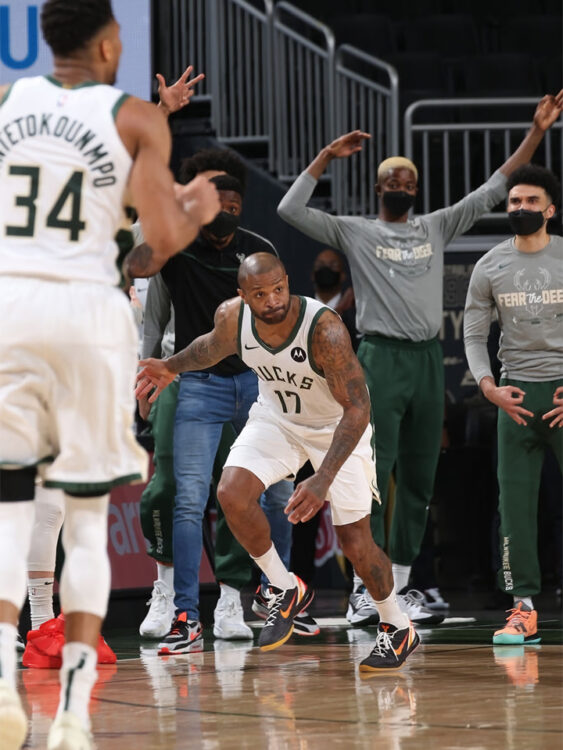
(298, 354)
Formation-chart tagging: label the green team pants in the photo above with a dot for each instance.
(232, 564)
(521, 451)
(406, 386)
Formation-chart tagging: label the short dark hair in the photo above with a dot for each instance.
(227, 182)
(68, 25)
(220, 159)
(534, 174)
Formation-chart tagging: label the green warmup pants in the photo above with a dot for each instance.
(232, 563)
(521, 451)
(406, 385)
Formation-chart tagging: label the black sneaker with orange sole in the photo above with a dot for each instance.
(392, 647)
(284, 607)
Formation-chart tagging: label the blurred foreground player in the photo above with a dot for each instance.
(71, 144)
(313, 404)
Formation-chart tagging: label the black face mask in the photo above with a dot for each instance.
(223, 224)
(397, 202)
(326, 278)
(525, 222)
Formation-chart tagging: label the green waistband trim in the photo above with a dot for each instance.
(84, 487)
(376, 338)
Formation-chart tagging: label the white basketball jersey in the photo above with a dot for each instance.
(63, 172)
(289, 381)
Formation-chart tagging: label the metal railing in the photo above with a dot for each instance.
(239, 37)
(367, 98)
(455, 155)
(303, 66)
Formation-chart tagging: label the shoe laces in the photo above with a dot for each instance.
(159, 597)
(365, 599)
(415, 597)
(275, 604)
(382, 643)
(516, 615)
(229, 606)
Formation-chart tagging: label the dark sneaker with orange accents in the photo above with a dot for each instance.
(392, 646)
(184, 637)
(283, 608)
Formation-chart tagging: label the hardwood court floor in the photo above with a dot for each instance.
(456, 691)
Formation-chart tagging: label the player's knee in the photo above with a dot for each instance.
(228, 498)
(86, 574)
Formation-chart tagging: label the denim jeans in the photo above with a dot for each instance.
(205, 402)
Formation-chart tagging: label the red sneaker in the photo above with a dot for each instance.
(105, 654)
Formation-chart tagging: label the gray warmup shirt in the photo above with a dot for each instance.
(397, 268)
(526, 289)
(158, 331)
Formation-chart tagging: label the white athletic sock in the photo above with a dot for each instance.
(40, 592)
(8, 636)
(165, 574)
(270, 563)
(527, 600)
(77, 677)
(401, 575)
(229, 591)
(390, 612)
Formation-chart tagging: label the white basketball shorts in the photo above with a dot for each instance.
(68, 356)
(273, 449)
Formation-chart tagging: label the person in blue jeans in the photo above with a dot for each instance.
(205, 276)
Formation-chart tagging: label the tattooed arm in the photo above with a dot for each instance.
(203, 352)
(333, 353)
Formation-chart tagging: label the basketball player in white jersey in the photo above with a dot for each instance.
(70, 145)
(313, 404)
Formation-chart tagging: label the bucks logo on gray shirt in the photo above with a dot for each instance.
(526, 290)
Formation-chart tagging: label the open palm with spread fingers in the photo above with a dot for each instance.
(178, 95)
(556, 415)
(348, 144)
(153, 378)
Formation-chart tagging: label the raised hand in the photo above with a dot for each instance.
(556, 414)
(348, 144)
(178, 95)
(548, 110)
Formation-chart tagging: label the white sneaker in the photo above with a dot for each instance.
(435, 601)
(160, 616)
(229, 621)
(361, 610)
(13, 721)
(412, 603)
(68, 733)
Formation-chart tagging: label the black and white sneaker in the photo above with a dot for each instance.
(392, 646)
(412, 604)
(361, 611)
(284, 606)
(185, 636)
(434, 600)
(303, 623)
(261, 602)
